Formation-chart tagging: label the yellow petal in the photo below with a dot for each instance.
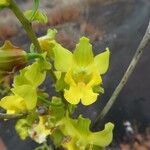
(88, 96)
(73, 95)
(13, 104)
(62, 58)
(95, 79)
(80, 91)
(69, 80)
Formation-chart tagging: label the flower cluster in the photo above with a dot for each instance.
(77, 78)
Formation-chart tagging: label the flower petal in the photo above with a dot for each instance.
(83, 54)
(88, 96)
(62, 58)
(28, 93)
(69, 80)
(95, 79)
(73, 95)
(102, 61)
(13, 104)
(102, 138)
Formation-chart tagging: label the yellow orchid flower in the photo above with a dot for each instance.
(77, 135)
(24, 96)
(83, 71)
(23, 100)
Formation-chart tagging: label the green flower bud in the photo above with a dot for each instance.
(4, 3)
(11, 59)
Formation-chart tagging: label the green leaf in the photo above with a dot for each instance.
(83, 54)
(102, 61)
(38, 16)
(62, 58)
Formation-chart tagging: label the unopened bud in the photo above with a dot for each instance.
(4, 3)
(11, 58)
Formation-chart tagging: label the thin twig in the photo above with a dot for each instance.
(11, 116)
(126, 76)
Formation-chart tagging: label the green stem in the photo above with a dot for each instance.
(25, 23)
(33, 56)
(12, 116)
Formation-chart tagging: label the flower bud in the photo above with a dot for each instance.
(4, 3)
(11, 58)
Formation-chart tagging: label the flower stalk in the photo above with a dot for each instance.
(25, 23)
(12, 116)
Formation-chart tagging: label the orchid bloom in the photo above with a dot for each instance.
(79, 137)
(24, 94)
(23, 99)
(83, 71)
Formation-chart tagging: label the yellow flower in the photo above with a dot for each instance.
(83, 71)
(82, 90)
(77, 134)
(24, 89)
(13, 104)
(23, 100)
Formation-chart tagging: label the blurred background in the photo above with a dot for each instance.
(117, 24)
